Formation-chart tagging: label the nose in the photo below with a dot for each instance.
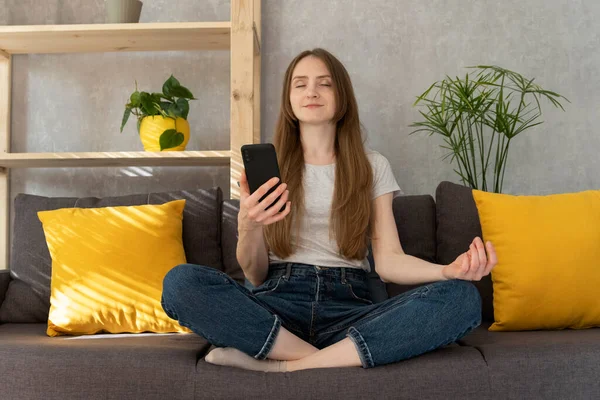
(311, 92)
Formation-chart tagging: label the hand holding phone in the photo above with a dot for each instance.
(263, 198)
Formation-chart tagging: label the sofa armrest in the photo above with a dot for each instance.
(4, 280)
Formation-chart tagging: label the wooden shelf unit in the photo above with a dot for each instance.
(241, 36)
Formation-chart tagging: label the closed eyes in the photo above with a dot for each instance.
(323, 84)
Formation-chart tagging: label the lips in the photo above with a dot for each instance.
(314, 106)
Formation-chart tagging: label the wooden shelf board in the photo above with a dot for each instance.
(85, 38)
(115, 159)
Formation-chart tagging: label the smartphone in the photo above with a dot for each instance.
(260, 163)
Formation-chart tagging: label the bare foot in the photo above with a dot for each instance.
(233, 357)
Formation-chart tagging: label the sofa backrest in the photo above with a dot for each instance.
(4, 281)
(229, 214)
(415, 221)
(457, 225)
(435, 231)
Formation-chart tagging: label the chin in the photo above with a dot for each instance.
(314, 121)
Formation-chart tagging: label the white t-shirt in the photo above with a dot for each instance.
(314, 246)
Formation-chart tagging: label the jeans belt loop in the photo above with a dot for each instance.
(343, 275)
(288, 271)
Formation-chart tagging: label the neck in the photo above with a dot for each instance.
(318, 143)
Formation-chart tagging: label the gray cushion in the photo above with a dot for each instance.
(140, 366)
(229, 214)
(4, 281)
(457, 226)
(561, 364)
(377, 287)
(28, 295)
(451, 372)
(415, 221)
(231, 209)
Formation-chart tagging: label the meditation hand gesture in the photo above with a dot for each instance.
(473, 264)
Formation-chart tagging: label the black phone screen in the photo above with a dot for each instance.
(260, 163)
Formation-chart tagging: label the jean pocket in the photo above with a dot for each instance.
(359, 291)
(268, 286)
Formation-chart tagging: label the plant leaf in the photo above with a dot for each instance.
(184, 106)
(125, 117)
(169, 85)
(173, 110)
(425, 93)
(159, 110)
(170, 138)
(147, 104)
(180, 108)
(135, 98)
(165, 105)
(181, 91)
(156, 98)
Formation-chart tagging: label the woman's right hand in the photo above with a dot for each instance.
(253, 214)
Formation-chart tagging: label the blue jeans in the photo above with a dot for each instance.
(321, 306)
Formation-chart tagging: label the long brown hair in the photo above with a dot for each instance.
(350, 218)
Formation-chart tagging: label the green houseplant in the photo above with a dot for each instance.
(472, 114)
(161, 117)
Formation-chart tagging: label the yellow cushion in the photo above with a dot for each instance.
(108, 265)
(548, 247)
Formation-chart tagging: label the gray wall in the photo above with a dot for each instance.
(393, 50)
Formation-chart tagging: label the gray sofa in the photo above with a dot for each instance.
(482, 365)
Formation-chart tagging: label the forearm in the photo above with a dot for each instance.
(405, 269)
(251, 253)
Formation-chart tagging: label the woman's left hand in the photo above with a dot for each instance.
(473, 264)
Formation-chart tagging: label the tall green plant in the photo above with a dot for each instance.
(473, 114)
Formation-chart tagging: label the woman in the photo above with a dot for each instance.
(306, 304)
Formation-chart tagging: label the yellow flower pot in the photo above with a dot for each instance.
(152, 127)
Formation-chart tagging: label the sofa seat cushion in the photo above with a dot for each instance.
(560, 364)
(451, 372)
(103, 366)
